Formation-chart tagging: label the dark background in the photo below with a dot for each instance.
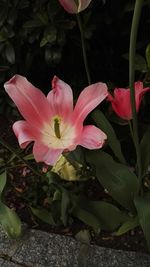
(38, 39)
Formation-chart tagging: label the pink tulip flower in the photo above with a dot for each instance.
(121, 102)
(74, 6)
(51, 122)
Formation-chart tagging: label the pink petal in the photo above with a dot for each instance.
(83, 4)
(45, 154)
(139, 92)
(30, 101)
(61, 98)
(25, 133)
(122, 103)
(69, 6)
(89, 98)
(92, 137)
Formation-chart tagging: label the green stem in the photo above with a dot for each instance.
(83, 49)
(132, 51)
(12, 150)
(131, 130)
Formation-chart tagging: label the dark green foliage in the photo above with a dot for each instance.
(38, 37)
(31, 30)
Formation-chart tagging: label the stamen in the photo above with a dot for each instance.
(57, 128)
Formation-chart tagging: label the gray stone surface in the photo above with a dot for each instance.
(1, 262)
(41, 249)
(10, 264)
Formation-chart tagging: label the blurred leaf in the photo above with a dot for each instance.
(76, 155)
(33, 24)
(67, 24)
(23, 4)
(12, 16)
(104, 211)
(127, 226)
(140, 62)
(86, 217)
(129, 6)
(120, 182)
(106, 127)
(29, 157)
(4, 68)
(43, 215)
(42, 16)
(143, 208)
(52, 56)
(145, 151)
(57, 195)
(3, 179)
(83, 236)
(49, 36)
(64, 206)
(3, 14)
(10, 221)
(10, 53)
(3, 34)
(148, 55)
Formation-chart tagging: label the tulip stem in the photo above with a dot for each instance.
(131, 130)
(84, 49)
(12, 150)
(132, 51)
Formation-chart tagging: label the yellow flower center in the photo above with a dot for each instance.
(58, 133)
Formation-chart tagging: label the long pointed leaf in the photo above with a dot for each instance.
(10, 221)
(87, 218)
(3, 180)
(121, 183)
(103, 211)
(105, 126)
(64, 206)
(143, 209)
(43, 215)
(145, 151)
(130, 224)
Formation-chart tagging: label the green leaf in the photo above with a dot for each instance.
(140, 63)
(143, 208)
(3, 179)
(148, 55)
(10, 221)
(104, 211)
(23, 4)
(120, 182)
(49, 36)
(83, 236)
(130, 224)
(64, 206)
(145, 151)
(43, 17)
(52, 55)
(3, 14)
(3, 34)
(43, 215)
(87, 217)
(29, 157)
(33, 24)
(105, 126)
(10, 53)
(77, 155)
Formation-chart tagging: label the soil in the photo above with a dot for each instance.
(18, 184)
